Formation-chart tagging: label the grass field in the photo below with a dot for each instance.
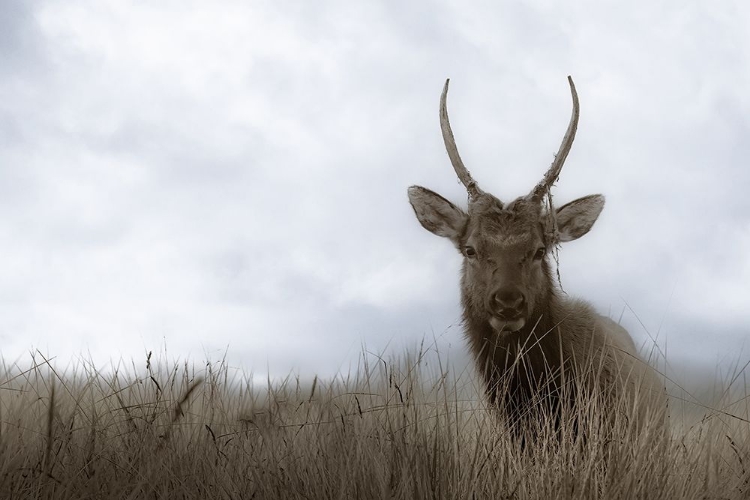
(394, 428)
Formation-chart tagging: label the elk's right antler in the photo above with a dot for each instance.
(450, 146)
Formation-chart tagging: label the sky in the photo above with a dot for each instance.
(228, 179)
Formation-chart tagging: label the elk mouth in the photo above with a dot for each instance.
(503, 325)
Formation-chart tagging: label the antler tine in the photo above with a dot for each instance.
(554, 171)
(450, 146)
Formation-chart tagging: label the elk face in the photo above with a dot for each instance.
(506, 275)
(504, 272)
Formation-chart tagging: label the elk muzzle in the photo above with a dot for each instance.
(507, 305)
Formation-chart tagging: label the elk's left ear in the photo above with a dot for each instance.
(576, 218)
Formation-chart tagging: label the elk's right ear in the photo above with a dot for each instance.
(436, 214)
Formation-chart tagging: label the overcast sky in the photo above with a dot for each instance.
(231, 176)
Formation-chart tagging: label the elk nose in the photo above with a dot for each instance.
(508, 299)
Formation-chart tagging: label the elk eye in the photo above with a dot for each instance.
(539, 255)
(470, 252)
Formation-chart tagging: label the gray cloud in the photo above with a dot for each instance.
(239, 179)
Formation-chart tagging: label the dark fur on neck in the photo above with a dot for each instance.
(522, 369)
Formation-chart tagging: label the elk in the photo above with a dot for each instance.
(526, 336)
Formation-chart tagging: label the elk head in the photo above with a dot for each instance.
(506, 282)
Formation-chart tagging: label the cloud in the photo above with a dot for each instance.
(235, 174)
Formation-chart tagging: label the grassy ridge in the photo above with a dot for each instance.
(393, 429)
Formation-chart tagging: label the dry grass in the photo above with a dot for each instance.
(394, 429)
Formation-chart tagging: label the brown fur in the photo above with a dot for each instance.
(530, 342)
(561, 337)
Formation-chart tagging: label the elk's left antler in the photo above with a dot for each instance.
(550, 177)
